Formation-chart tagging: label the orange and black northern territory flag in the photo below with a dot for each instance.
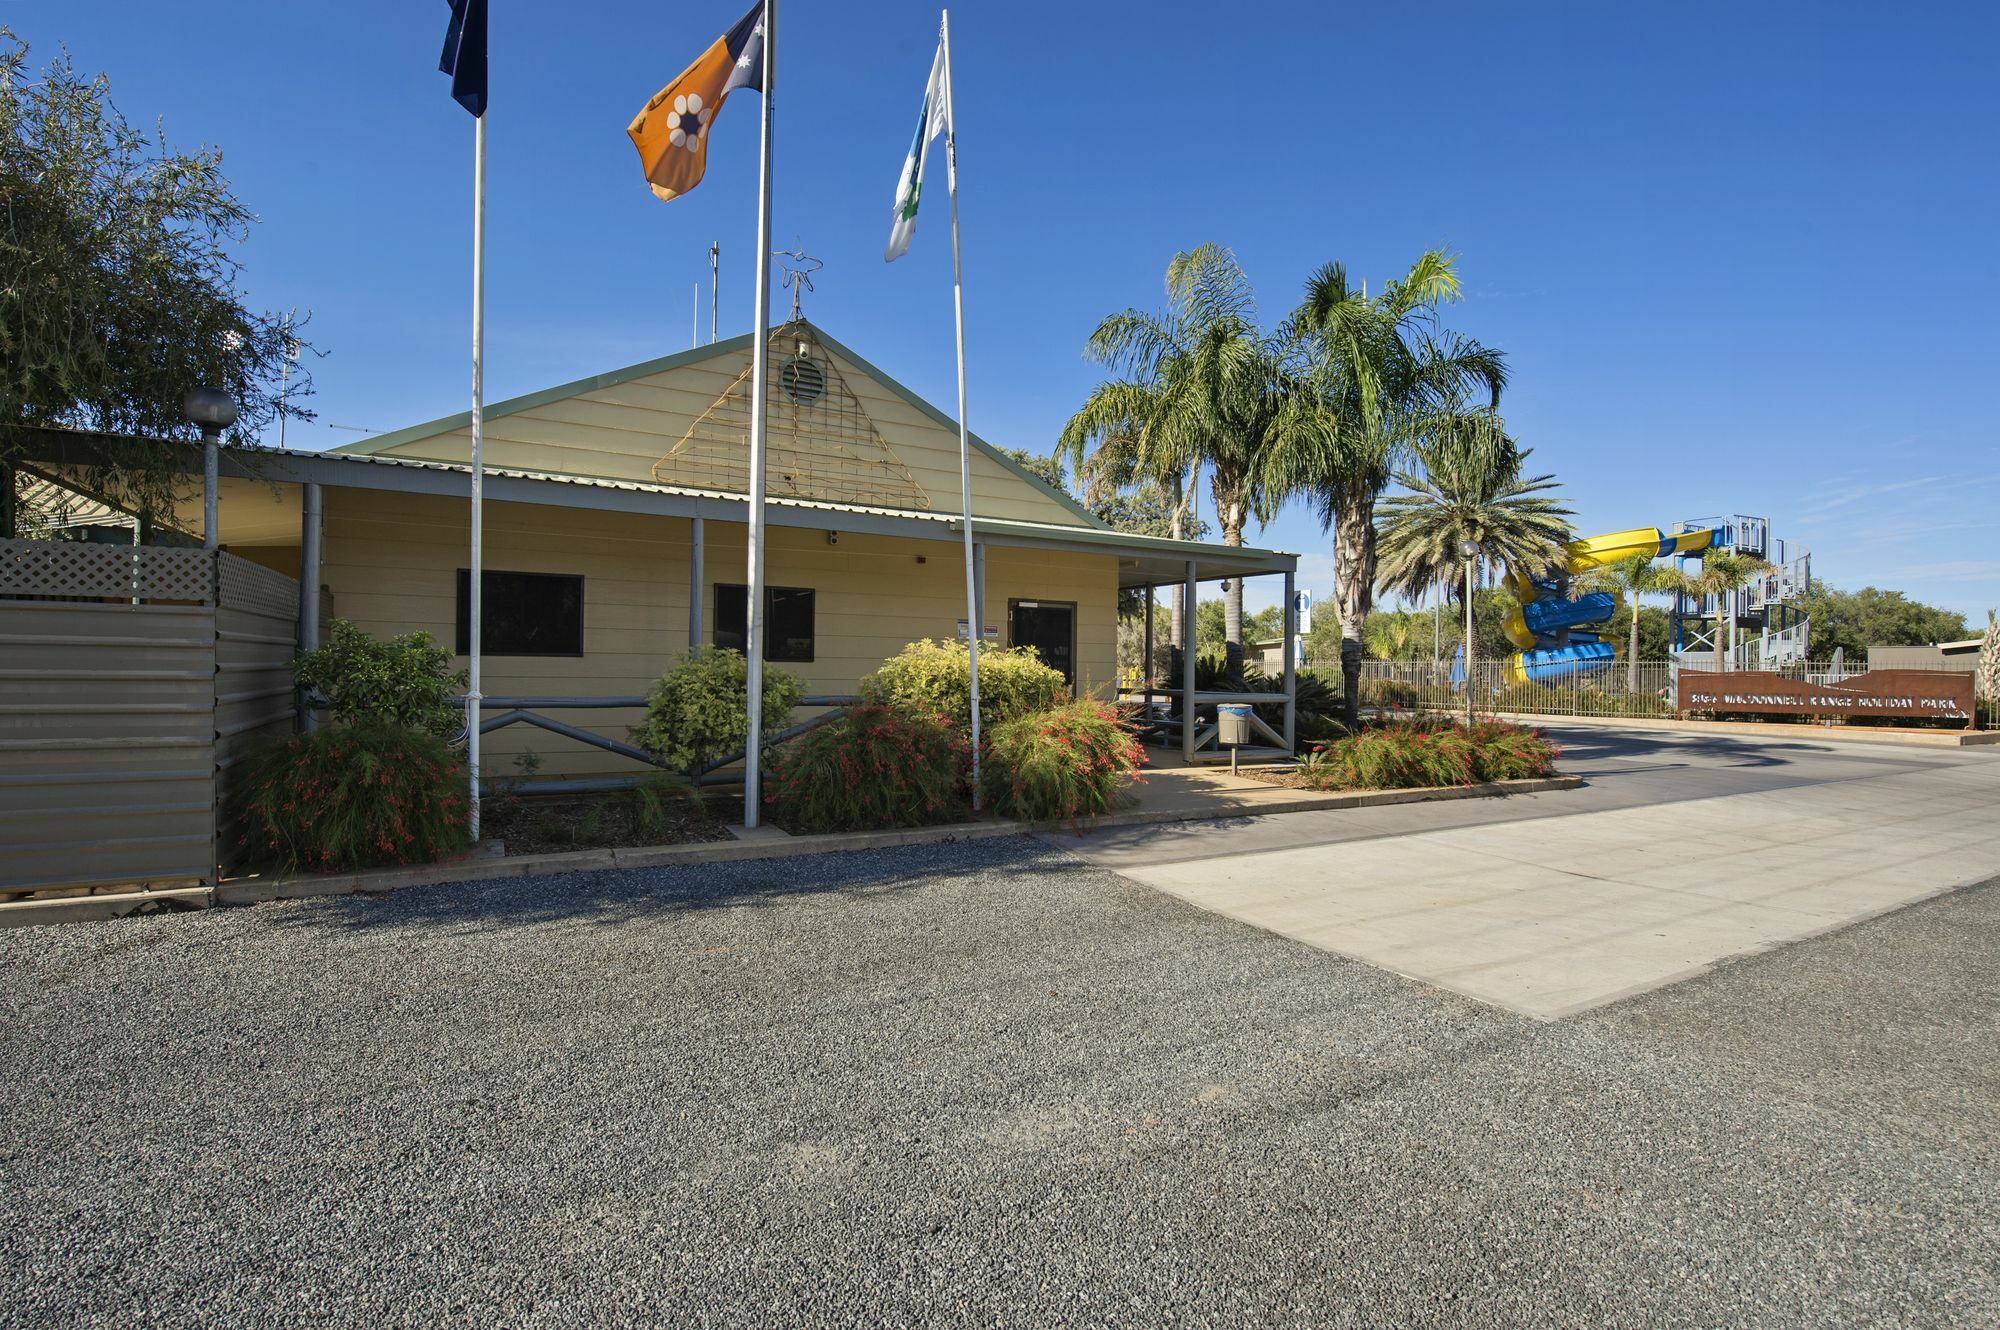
(671, 133)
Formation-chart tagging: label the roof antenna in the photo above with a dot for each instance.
(798, 274)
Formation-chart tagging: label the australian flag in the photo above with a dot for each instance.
(464, 55)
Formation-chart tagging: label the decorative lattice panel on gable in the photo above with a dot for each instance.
(822, 444)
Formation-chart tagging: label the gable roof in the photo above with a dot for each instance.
(726, 349)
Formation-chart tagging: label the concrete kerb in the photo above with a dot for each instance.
(252, 891)
(479, 868)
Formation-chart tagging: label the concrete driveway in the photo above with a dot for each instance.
(1684, 850)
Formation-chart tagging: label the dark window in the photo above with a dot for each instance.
(788, 620)
(1050, 628)
(522, 614)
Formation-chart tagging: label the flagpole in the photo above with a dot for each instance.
(475, 576)
(760, 357)
(974, 628)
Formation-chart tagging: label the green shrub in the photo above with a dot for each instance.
(934, 679)
(1389, 695)
(699, 713)
(1059, 765)
(1426, 752)
(405, 681)
(876, 767)
(353, 796)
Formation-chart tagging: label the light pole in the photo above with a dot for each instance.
(211, 409)
(1468, 551)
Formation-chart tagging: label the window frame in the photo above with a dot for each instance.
(1043, 602)
(462, 628)
(739, 592)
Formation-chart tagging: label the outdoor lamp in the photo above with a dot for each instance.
(213, 411)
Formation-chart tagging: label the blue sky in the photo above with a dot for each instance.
(1740, 256)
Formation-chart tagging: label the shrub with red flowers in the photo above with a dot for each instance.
(1060, 765)
(1428, 752)
(353, 796)
(875, 767)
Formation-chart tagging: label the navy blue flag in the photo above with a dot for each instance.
(464, 55)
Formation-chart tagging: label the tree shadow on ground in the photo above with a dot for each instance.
(1723, 750)
(619, 896)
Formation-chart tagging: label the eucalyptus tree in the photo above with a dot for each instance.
(120, 287)
(1198, 385)
(1379, 369)
(1465, 485)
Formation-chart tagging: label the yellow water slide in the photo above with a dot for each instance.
(1544, 612)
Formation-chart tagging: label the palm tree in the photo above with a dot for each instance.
(1628, 579)
(1722, 573)
(1390, 636)
(1199, 385)
(1379, 368)
(1467, 487)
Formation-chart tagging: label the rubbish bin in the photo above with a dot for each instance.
(1233, 724)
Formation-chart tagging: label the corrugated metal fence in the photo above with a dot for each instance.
(133, 681)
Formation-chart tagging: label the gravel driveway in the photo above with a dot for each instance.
(968, 1085)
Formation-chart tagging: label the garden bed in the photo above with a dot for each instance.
(550, 824)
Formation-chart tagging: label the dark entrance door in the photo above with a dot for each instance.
(1050, 628)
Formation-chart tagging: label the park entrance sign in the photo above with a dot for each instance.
(1901, 694)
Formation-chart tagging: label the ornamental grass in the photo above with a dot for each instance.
(353, 796)
(1429, 753)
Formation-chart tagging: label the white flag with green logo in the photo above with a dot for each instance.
(908, 189)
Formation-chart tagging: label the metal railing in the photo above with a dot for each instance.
(528, 711)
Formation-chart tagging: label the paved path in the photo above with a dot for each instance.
(1682, 851)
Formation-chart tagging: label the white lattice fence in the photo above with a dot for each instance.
(251, 586)
(146, 573)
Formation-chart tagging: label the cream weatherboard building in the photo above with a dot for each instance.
(615, 525)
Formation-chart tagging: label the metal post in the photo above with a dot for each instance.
(1146, 661)
(1468, 644)
(1291, 618)
(760, 400)
(211, 465)
(972, 642)
(979, 578)
(476, 575)
(714, 284)
(311, 507)
(697, 541)
(1187, 662)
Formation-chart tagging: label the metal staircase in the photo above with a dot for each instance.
(1762, 625)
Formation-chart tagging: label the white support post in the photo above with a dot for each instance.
(1146, 661)
(1289, 646)
(760, 400)
(1187, 662)
(974, 623)
(476, 575)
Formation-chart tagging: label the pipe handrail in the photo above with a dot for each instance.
(1201, 696)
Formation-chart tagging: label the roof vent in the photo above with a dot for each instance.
(804, 381)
